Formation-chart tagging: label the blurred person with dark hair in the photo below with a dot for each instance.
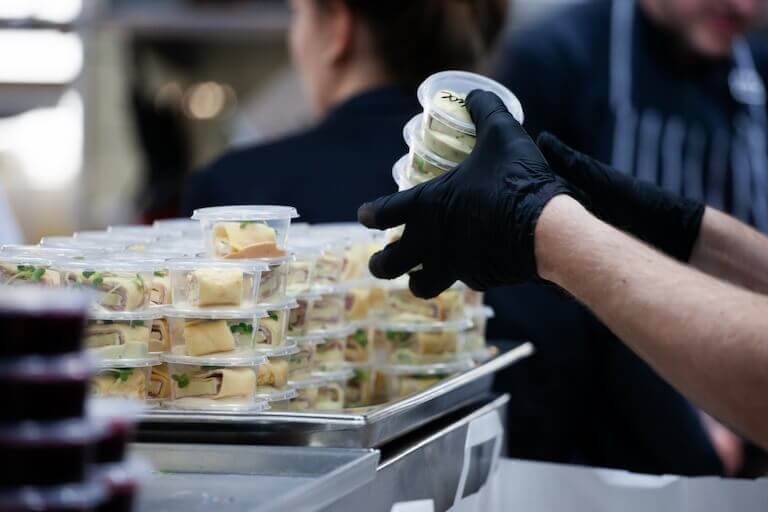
(360, 62)
(672, 92)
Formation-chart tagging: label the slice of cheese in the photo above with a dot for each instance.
(231, 238)
(436, 343)
(215, 287)
(234, 382)
(118, 333)
(203, 337)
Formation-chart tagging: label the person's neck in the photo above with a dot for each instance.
(355, 82)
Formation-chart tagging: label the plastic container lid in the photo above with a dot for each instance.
(447, 368)
(280, 305)
(196, 263)
(44, 300)
(125, 316)
(104, 246)
(251, 406)
(309, 339)
(306, 248)
(450, 326)
(142, 231)
(112, 264)
(179, 224)
(463, 82)
(307, 381)
(139, 362)
(343, 374)
(277, 395)
(222, 359)
(213, 314)
(243, 213)
(306, 296)
(129, 238)
(288, 349)
(335, 332)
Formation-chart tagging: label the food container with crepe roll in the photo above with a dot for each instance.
(301, 271)
(359, 244)
(331, 394)
(24, 269)
(187, 228)
(358, 391)
(421, 164)
(245, 231)
(475, 338)
(121, 285)
(420, 343)
(134, 243)
(328, 312)
(473, 298)
(447, 128)
(43, 388)
(401, 305)
(210, 384)
(46, 454)
(160, 286)
(178, 248)
(298, 321)
(213, 333)
(273, 328)
(302, 363)
(215, 284)
(272, 383)
(330, 265)
(307, 389)
(397, 381)
(123, 378)
(119, 334)
(37, 321)
(359, 346)
(143, 231)
(330, 353)
(274, 280)
(94, 246)
(357, 301)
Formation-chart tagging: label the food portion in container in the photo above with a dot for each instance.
(328, 312)
(27, 270)
(274, 280)
(331, 394)
(224, 333)
(159, 336)
(359, 345)
(357, 303)
(198, 283)
(475, 338)
(423, 162)
(302, 362)
(397, 381)
(420, 343)
(275, 373)
(245, 231)
(442, 139)
(359, 388)
(123, 378)
(159, 383)
(301, 271)
(273, 328)
(119, 335)
(122, 285)
(402, 306)
(306, 396)
(298, 321)
(330, 353)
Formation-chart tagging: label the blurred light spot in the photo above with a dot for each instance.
(39, 56)
(56, 11)
(46, 143)
(170, 95)
(205, 100)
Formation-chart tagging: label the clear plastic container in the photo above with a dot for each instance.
(330, 353)
(123, 378)
(198, 283)
(443, 96)
(331, 394)
(423, 162)
(298, 322)
(39, 251)
(301, 271)
(274, 280)
(358, 391)
(119, 335)
(273, 328)
(159, 383)
(357, 302)
(328, 312)
(359, 244)
(329, 268)
(45, 454)
(122, 285)
(143, 231)
(41, 321)
(188, 228)
(274, 375)
(475, 339)
(359, 346)
(106, 246)
(303, 362)
(224, 386)
(132, 242)
(402, 306)
(307, 390)
(217, 334)
(396, 381)
(20, 269)
(43, 389)
(420, 343)
(245, 231)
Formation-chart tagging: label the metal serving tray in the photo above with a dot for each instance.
(352, 428)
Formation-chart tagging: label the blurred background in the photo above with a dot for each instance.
(106, 104)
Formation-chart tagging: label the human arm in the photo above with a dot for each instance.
(705, 336)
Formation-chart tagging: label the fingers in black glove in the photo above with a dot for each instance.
(664, 220)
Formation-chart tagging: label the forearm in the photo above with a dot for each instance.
(731, 250)
(706, 337)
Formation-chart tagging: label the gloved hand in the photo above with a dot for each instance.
(668, 222)
(475, 223)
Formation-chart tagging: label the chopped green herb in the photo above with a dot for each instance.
(361, 337)
(139, 282)
(136, 323)
(88, 273)
(242, 328)
(361, 374)
(245, 223)
(158, 273)
(98, 281)
(182, 380)
(37, 274)
(273, 315)
(123, 374)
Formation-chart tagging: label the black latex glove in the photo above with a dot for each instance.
(666, 221)
(475, 223)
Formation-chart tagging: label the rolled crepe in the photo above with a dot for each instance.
(127, 383)
(302, 360)
(115, 333)
(159, 337)
(215, 287)
(357, 303)
(160, 293)
(298, 275)
(274, 374)
(329, 268)
(436, 343)
(245, 240)
(271, 281)
(122, 293)
(128, 350)
(203, 337)
(356, 350)
(220, 383)
(403, 305)
(271, 329)
(330, 397)
(13, 272)
(159, 382)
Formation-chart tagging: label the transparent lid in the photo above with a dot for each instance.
(196, 263)
(139, 362)
(112, 264)
(185, 225)
(165, 254)
(128, 238)
(276, 395)
(436, 326)
(307, 381)
(462, 83)
(255, 212)
(240, 406)
(222, 359)
(213, 313)
(306, 248)
(281, 305)
(307, 296)
(125, 316)
(288, 349)
(412, 135)
(399, 175)
(38, 299)
(39, 251)
(142, 231)
(336, 332)
(68, 242)
(343, 374)
(309, 339)
(21, 259)
(448, 368)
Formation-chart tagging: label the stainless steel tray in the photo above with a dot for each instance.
(352, 428)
